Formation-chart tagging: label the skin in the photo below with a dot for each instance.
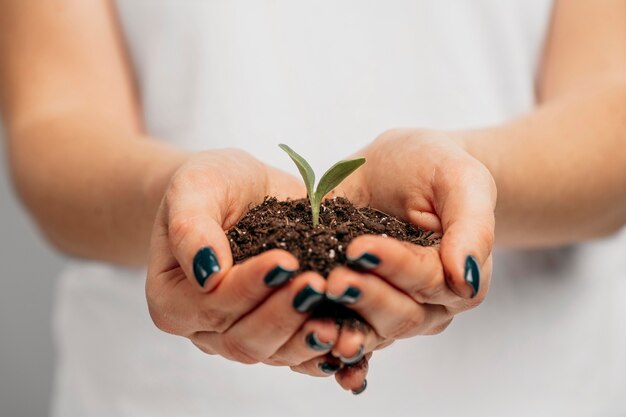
(558, 172)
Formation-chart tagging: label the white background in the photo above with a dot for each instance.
(28, 270)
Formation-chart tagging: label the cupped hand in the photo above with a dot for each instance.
(401, 289)
(250, 312)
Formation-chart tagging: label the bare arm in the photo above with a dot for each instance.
(560, 174)
(561, 170)
(78, 155)
(95, 183)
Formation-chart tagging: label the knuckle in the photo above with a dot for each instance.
(439, 328)
(473, 302)
(214, 320)
(428, 289)
(179, 228)
(194, 174)
(431, 290)
(235, 349)
(487, 235)
(246, 293)
(405, 328)
(465, 304)
(279, 361)
(282, 326)
(160, 321)
(425, 294)
(157, 309)
(203, 348)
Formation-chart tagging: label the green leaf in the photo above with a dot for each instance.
(335, 175)
(303, 166)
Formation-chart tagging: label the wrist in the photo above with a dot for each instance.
(163, 161)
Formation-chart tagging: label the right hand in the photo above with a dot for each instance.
(194, 290)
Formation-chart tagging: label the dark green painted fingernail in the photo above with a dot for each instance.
(360, 390)
(472, 274)
(329, 368)
(355, 358)
(306, 299)
(316, 344)
(278, 276)
(349, 296)
(366, 262)
(205, 264)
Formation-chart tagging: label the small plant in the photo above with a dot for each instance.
(331, 178)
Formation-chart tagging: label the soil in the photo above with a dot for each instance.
(287, 225)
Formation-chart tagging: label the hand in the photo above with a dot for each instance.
(403, 290)
(194, 290)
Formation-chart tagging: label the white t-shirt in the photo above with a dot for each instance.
(326, 77)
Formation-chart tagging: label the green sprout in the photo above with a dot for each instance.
(331, 178)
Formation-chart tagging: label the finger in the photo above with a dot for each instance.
(466, 205)
(353, 377)
(315, 338)
(350, 347)
(197, 240)
(207, 195)
(258, 335)
(191, 239)
(354, 342)
(321, 366)
(391, 312)
(248, 284)
(415, 270)
(177, 307)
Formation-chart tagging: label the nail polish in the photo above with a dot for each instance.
(329, 368)
(366, 262)
(205, 264)
(472, 274)
(349, 296)
(306, 299)
(314, 343)
(360, 390)
(354, 359)
(278, 276)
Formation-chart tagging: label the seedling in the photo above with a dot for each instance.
(331, 178)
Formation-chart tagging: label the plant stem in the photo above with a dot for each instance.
(315, 212)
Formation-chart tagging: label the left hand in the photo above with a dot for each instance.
(429, 180)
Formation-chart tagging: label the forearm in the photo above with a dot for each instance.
(561, 170)
(94, 190)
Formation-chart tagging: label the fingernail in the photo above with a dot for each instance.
(355, 358)
(205, 264)
(278, 276)
(316, 344)
(349, 296)
(329, 368)
(366, 262)
(472, 274)
(306, 299)
(360, 390)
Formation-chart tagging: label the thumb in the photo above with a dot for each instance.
(188, 234)
(467, 215)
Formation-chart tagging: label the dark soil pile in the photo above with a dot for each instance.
(287, 225)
